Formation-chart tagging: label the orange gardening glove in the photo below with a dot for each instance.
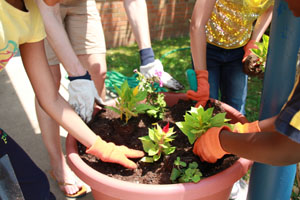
(251, 127)
(250, 45)
(208, 146)
(109, 152)
(202, 94)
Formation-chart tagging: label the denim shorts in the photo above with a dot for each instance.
(83, 26)
(227, 80)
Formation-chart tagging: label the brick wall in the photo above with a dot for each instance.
(167, 19)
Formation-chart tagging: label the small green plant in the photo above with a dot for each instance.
(129, 102)
(182, 174)
(157, 142)
(154, 98)
(262, 51)
(197, 121)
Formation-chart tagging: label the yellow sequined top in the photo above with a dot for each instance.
(231, 23)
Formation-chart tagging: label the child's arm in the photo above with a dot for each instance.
(267, 146)
(201, 14)
(260, 27)
(38, 71)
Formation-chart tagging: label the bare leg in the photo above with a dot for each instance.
(96, 65)
(51, 138)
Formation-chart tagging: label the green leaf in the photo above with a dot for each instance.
(218, 120)
(141, 96)
(147, 143)
(151, 134)
(174, 174)
(113, 109)
(143, 107)
(147, 159)
(169, 150)
(193, 165)
(196, 178)
(156, 157)
(207, 115)
(153, 151)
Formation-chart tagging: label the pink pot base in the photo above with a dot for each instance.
(217, 187)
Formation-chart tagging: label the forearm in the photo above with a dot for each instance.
(41, 79)
(262, 24)
(64, 115)
(267, 147)
(201, 13)
(137, 14)
(58, 39)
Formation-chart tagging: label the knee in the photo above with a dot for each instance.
(97, 70)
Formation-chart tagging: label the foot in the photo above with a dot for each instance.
(68, 183)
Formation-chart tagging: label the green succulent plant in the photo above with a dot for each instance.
(197, 121)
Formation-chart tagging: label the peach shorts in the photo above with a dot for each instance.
(83, 26)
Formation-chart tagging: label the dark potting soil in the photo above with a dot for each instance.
(111, 129)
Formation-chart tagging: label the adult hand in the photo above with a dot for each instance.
(109, 152)
(202, 93)
(250, 45)
(156, 69)
(82, 97)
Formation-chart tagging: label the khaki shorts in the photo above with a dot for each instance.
(83, 26)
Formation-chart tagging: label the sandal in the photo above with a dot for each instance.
(80, 193)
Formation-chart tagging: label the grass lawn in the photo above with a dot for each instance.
(176, 59)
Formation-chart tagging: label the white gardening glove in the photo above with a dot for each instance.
(155, 68)
(82, 96)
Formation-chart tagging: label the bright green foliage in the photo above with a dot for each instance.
(154, 98)
(128, 102)
(262, 51)
(182, 174)
(197, 121)
(157, 142)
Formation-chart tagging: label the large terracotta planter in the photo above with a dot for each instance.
(217, 187)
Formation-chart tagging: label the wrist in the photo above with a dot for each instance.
(87, 76)
(250, 45)
(251, 127)
(201, 73)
